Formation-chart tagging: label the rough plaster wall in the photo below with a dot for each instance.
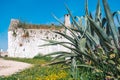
(28, 47)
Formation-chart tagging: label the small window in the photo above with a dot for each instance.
(47, 37)
(53, 38)
(20, 44)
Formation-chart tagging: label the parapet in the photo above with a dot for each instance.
(13, 24)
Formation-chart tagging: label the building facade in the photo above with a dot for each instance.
(24, 40)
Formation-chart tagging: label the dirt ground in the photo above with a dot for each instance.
(9, 67)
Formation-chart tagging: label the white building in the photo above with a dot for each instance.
(24, 39)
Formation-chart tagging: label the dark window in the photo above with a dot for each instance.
(47, 37)
(20, 44)
(53, 38)
(55, 35)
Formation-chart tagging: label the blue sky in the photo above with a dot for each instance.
(39, 12)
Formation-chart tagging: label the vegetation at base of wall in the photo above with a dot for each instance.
(94, 44)
(28, 60)
(47, 58)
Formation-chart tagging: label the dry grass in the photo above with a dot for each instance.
(35, 26)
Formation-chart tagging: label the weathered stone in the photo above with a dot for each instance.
(25, 42)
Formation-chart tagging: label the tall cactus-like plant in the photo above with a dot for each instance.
(94, 45)
(111, 24)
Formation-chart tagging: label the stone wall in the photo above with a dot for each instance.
(25, 43)
(22, 45)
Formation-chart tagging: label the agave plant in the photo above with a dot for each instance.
(94, 44)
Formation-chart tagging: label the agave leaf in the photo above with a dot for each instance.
(108, 31)
(80, 20)
(74, 21)
(111, 23)
(63, 56)
(86, 7)
(119, 32)
(117, 13)
(58, 62)
(91, 15)
(88, 35)
(59, 52)
(67, 46)
(55, 43)
(82, 44)
(100, 32)
(57, 57)
(92, 39)
(103, 22)
(89, 46)
(66, 36)
(78, 52)
(86, 27)
(87, 66)
(98, 21)
(110, 46)
(74, 50)
(60, 22)
(118, 19)
(68, 28)
(98, 12)
(91, 30)
(84, 32)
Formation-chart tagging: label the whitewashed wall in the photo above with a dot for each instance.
(28, 47)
